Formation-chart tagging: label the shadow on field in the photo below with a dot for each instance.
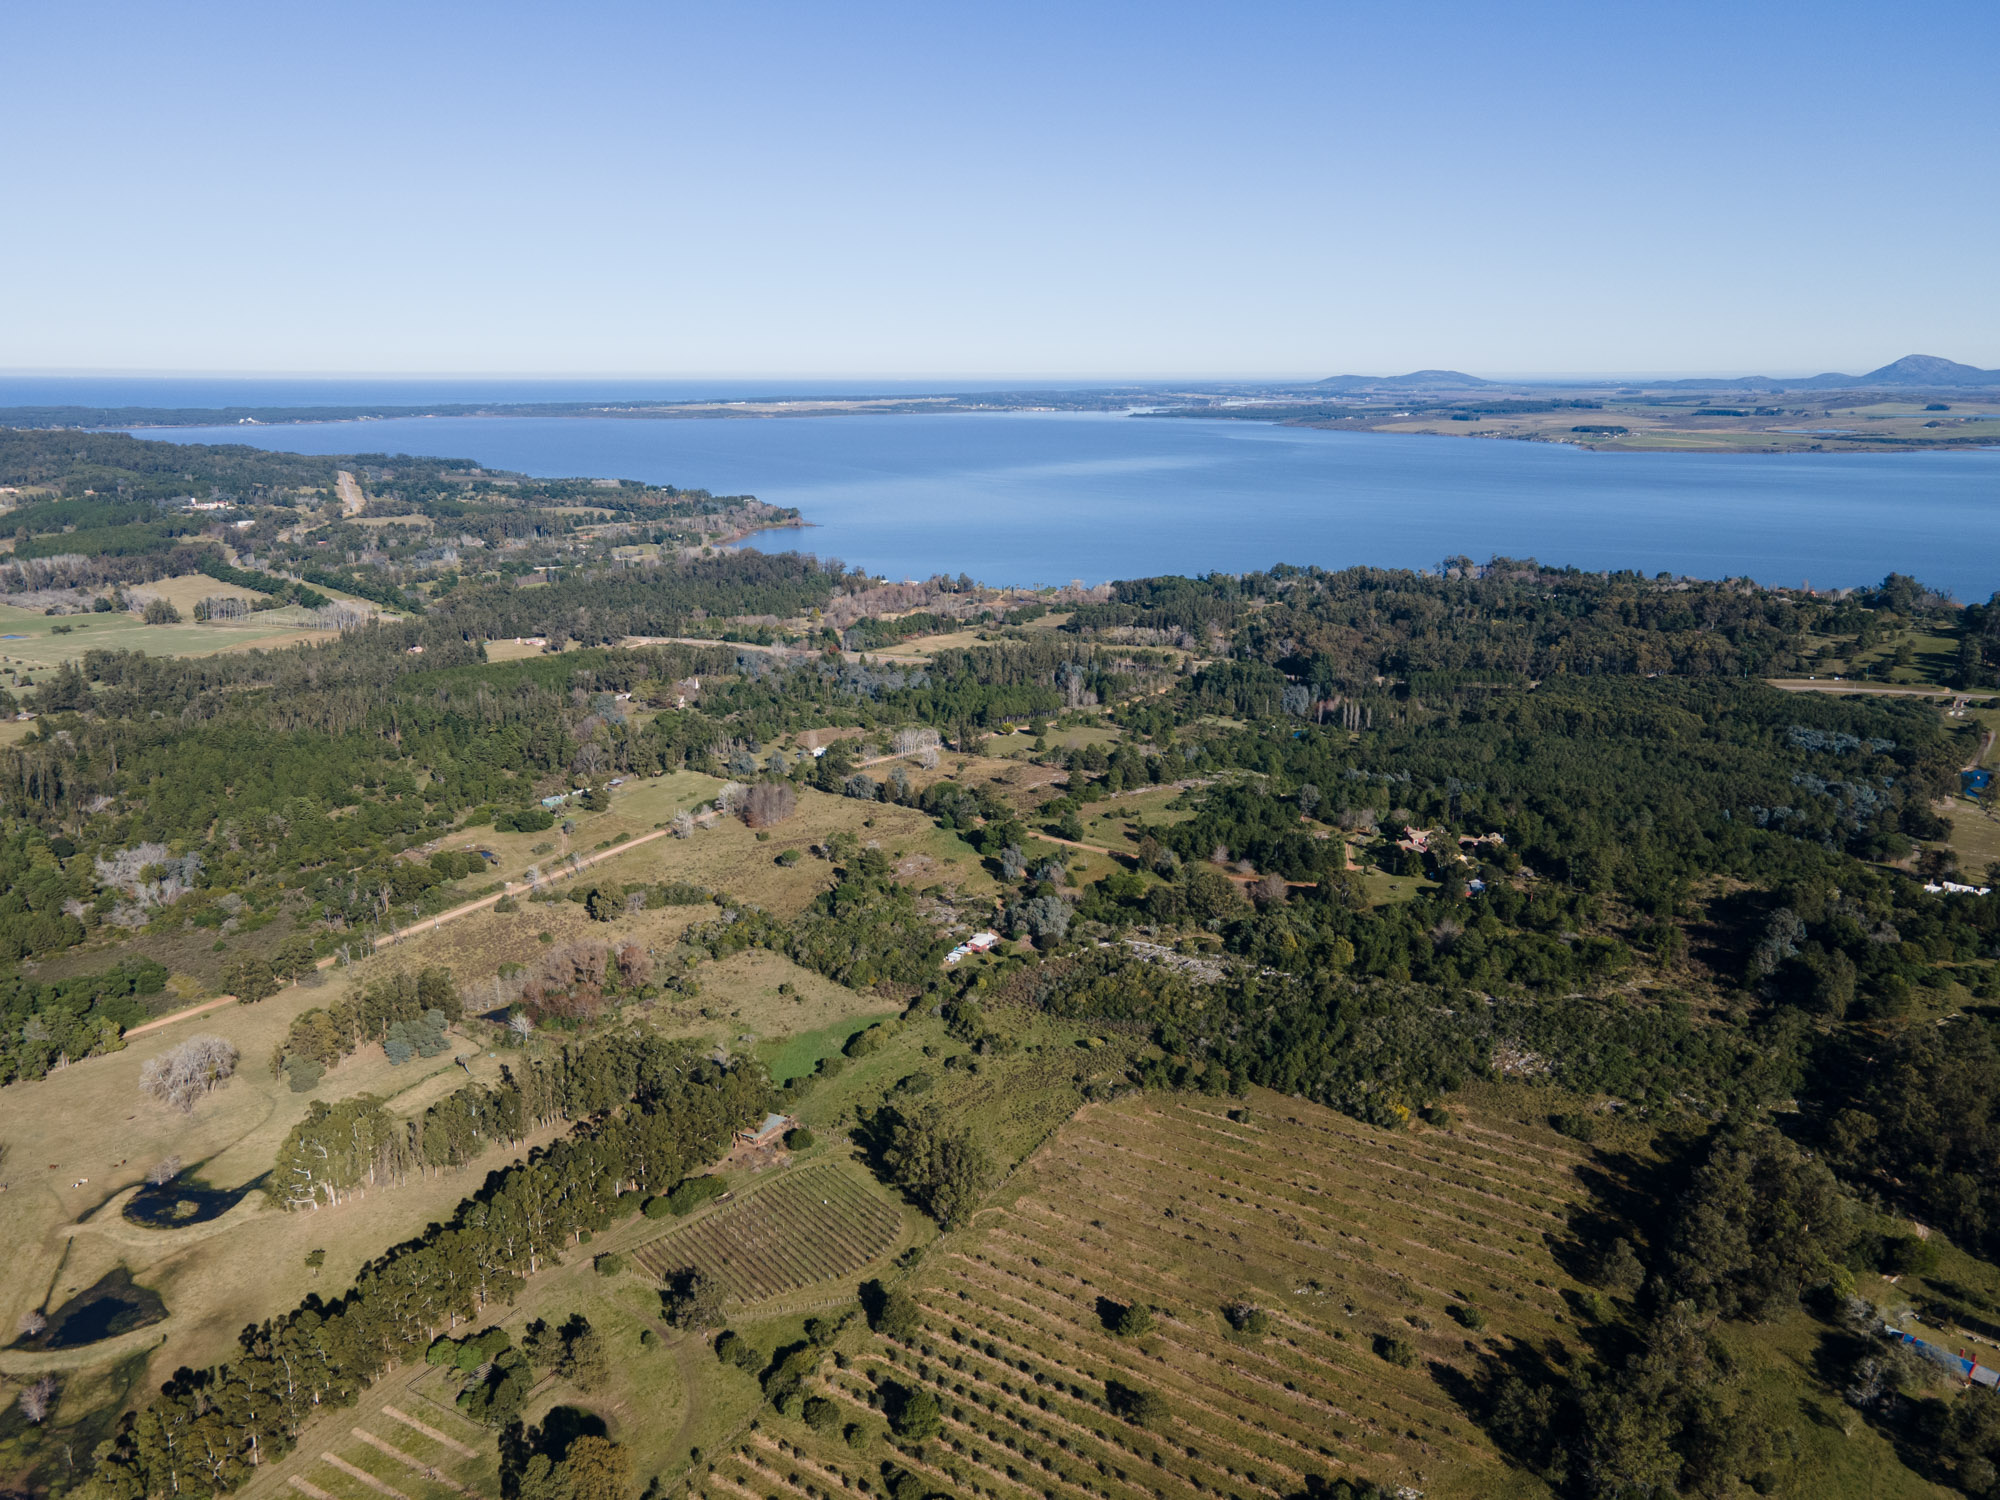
(519, 1445)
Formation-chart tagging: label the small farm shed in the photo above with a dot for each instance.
(768, 1133)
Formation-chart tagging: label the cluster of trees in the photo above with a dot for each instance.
(42, 1025)
(41, 881)
(940, 1165)
(354, 1144)
(863, 932)
(1916, 1117)
(574, 982)
(274, 589)
(498, 1374)
(1340, 632)
(422, 1037)
(320, 1037)
(1757, 1226)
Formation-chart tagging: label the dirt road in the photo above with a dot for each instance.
(1848, 685)
(427, 924)
(511, 888)
(181, 1015)
(351, 498)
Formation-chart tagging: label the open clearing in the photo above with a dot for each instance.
(813, 1224)
(89, 1124)
(1975, 837)
(30, 641)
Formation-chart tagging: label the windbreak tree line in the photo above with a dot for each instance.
(654, 1109)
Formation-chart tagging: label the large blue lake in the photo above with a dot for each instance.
(1029, 498)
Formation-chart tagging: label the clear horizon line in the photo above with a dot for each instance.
(1775, 372)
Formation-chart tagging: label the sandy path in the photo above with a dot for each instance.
(351, 498)
(511, 888)
(181, 1015)
(1849, 685)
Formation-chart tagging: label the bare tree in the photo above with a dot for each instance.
(183, 1074)
(635, 964)
(1272, 890)
(914, 741)
(39, 1399)
(32, 1324)
(683, 825)
(150, 874)
(769, 802)
(165, 1172)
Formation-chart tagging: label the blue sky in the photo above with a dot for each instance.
(1069, 190)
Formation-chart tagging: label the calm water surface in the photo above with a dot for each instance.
(1030, 498)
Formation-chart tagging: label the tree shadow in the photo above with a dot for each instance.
(1483, 1393)
(562, 1427)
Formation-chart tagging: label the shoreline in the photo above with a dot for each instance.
(1665, 440)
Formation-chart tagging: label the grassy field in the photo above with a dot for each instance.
(89, 1124)
(725, 856)
(1975, 836)
(1794, 422)
(29, 641)
(512, 649)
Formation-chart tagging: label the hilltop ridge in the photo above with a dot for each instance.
(1916, 370)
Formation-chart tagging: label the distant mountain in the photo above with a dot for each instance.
(1928, 369)
(1416, 380)
(1921, 370)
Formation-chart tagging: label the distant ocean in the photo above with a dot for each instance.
(195, 391)
(1029, 498)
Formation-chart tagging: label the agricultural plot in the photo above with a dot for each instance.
(1366, 1270)
(772, 1468)
(399, 1444)
(810, 1226)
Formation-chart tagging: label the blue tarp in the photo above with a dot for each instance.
(1958, 1364)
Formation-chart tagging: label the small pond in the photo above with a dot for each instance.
(184, 1200)
(114, 1305)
